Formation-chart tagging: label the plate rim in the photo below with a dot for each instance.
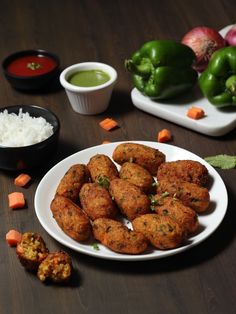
(113, 255)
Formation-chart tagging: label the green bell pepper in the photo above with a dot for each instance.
(218, 81)
(162, 69)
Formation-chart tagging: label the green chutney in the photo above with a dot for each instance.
(89, 78)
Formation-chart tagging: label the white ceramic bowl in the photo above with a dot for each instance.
(89, 100)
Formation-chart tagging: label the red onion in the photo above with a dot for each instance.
(230, 36)
(203, 41)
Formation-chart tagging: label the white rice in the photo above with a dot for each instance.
(17, 130)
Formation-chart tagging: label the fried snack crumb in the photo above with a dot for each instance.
(31, 250)
(56, 267)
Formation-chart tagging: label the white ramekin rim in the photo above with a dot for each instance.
(87, 66)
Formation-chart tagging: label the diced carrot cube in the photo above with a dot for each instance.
(16, 200)
(22, 179)
(13, 237)
(164, 136)
(195, 113)
(108, 124)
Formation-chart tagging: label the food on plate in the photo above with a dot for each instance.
(184, 170)
(195, 113)
(96, 201)
(16, 200)
(31, 250)
(190, 194)
(137, 175)
(148, 157)
(27, 130)
(102, 169)
(129, 198)
(218, 81)
(173, 207)
(230, 36)
(162, 231)
(203, 41)
(70, 218)
(163, 212)
(164, 136)
(89, 78)
(22, 179)
(72, 181)
(222, 161)
(57, 267)
(162, 69)
(108, 124)
(13, 237)
(118, 237)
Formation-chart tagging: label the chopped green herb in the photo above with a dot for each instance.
(152, 208)
(95, 247)
(104, 182)
(222, 161)
(164, 194)
(33, 65)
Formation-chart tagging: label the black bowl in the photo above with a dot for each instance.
(35, 82)
(31, 156)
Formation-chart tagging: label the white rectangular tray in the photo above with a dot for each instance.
(216, 122)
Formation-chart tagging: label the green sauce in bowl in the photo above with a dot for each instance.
(89, 78)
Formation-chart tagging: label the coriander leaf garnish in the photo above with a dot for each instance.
(104, 182)
(95, 247)
(222, 161)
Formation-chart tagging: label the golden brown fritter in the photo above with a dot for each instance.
(183, 170)
(96, 201)
(190, 194)
(57, 267)
(118, 237)
(102, 169)
(137, 175)
(72, 181)
(31, 250)
(129, 198)
(145, 156)
(162, 231)
(173, 207)
(70, 218)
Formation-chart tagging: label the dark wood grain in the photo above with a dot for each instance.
(201, 280)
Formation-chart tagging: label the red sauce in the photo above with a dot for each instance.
(31, 65)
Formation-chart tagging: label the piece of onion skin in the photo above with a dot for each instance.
(230, 36)
(203, 41)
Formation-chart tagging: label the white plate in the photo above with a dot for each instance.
(47, 187)
(217, 122)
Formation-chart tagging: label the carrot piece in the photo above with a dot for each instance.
(22, 179)
(13, 237)
(164, 136)
(105, 142)
(108, 124)
(195, 113)
(16, 200)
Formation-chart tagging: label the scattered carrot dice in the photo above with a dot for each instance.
(164, 136)
(13, 237)
(22, 179)
(195, 113)
(108, 124)
(16, 200)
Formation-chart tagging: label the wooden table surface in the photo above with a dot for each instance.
(200, 280)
